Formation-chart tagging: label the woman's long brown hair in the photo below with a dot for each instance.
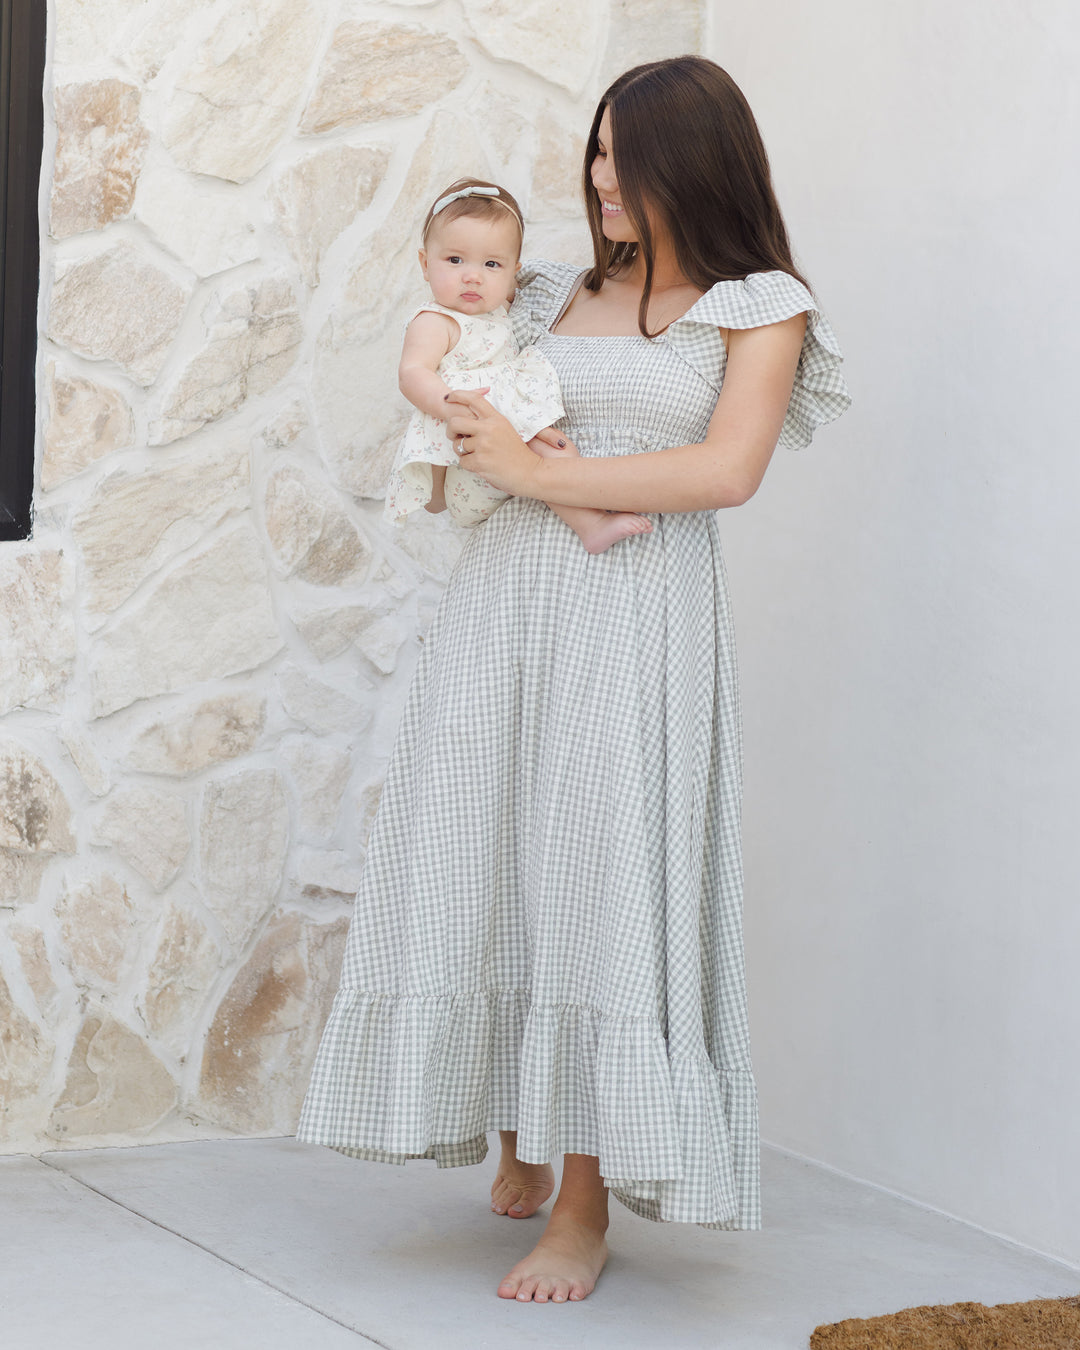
(685, 141)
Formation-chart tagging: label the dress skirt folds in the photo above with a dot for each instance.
(547, 935)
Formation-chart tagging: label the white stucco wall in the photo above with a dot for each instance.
(905, 596)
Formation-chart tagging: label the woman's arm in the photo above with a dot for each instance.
(427, 340)
(725, 469)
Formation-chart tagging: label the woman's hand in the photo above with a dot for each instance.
(489, 446)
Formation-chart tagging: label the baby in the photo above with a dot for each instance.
(462, 339)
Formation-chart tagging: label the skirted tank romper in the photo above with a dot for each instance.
(547, 936)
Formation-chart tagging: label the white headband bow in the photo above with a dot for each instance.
(492, 192)
(465, 192)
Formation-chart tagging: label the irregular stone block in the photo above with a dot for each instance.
(318, 706)
(149, 831)
(115, 1083)
(367, 804)
(161, 36)
(557, 39)
(86, 421)
(208, 618)
(25, 1056)
(381, 642)
(263, 1039)
(368, 473)
(20, 877)
(185, 964)
(209, 733)
(329, 632)
(311, 535)
(235, 100)
(133, 523)
(243, 840)
(315, 199)
(100, 143)
(499, 117)
(37, 628)
(36, 966)
(118, 306)
(316, 876)
(378, 70)
(85, 757)
(34, 813)
(96, 923)
(556, 180)
(209, 231)
(91, 30)
(319, 775)
(252, 336)
(284, 429)
(434, 542)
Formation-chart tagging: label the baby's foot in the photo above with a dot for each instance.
(564, 1264)
(519, 1189)
(609, 527)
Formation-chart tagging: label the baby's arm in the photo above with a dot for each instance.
(427, 340)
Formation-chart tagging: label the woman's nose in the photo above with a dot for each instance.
(602, 177)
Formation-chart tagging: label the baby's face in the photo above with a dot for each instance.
(470, 264)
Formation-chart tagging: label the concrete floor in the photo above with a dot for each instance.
(269, 1244)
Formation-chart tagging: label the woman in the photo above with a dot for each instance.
(548, 933)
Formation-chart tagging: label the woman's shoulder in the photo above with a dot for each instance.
(820, 392)
(542, 287)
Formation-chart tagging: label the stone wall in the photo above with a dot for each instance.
(205, 647)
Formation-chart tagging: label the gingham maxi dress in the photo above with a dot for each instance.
(547, 935)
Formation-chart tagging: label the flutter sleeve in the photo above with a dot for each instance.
(820, 393)
(542, 288)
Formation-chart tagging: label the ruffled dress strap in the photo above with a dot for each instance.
(820, 393)
(542, 288)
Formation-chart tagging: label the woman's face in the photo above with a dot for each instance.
(616, 223)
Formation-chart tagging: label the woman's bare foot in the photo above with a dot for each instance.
(519, 1189)
(567, 1261)
(598, 530)
(564, 1264)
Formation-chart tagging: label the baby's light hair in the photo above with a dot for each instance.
(492, 204)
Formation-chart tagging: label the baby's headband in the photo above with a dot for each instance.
(492, 192)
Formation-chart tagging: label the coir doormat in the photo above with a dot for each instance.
(1043, 1324)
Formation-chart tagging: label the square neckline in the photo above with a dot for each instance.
(549, 331)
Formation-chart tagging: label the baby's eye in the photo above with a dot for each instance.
(492, 263)
(453, 258)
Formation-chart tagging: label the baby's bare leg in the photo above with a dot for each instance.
(438, 489)
(596, 529)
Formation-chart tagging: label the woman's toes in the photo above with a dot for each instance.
(503, 1197)
(578, 1291)
(526, 1290)
(560, 1291)
(509, 1287)
(543, 1291)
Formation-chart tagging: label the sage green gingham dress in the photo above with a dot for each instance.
(547, 934)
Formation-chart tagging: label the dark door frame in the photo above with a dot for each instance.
(22, 74)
